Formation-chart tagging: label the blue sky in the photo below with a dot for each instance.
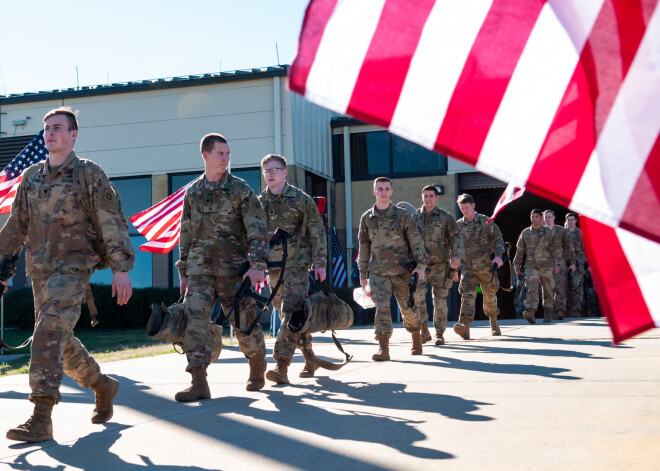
(42, 42)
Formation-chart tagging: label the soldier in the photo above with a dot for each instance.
(293, 210)
(574, 297)
(55, 225)
(223, 232)
(484, 246)
(564, 246)
(443, 242)
(390, 245)
(537, 249)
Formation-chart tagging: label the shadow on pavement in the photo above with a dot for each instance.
(544, 352)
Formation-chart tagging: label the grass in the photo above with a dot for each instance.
(104, 344)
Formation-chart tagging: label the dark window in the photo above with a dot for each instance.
(410, 157)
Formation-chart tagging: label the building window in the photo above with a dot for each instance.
(135, 194)
(380, 153)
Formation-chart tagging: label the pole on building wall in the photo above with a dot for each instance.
(349, 201)
(277, 114)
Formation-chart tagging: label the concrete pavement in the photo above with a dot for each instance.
(546, 396)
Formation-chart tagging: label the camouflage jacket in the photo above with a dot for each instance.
(576, 239)
(288, 210)
(441, 236)
(537, 248)
(48, 217)
(564, 245)
(480, 239)
(222, 227)
(390, 243)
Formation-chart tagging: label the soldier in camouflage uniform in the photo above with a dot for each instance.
(564, 245)
(48, 217)
(390, 246)
(484, 246)
(223, 230)
(537, 249)
(574, 297)
(443, 242)
(293, 210)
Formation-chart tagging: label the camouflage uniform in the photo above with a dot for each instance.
(566, 252)
(47, 216)
(480, 239)
(289, 210)
(537, 248)
(574, 298)
(222, 228)
(390, 244)
(443, 242)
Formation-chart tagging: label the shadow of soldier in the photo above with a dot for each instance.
(543, 352)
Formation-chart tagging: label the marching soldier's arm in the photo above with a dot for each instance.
(520, 252)
(568, 248)
(317, 235)
(257, 230)
(111, 220)
(15, 231)
(185, 237)
(496, 239)
(455, 240)
(364, 254)
(419, 252)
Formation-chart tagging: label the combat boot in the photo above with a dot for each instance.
(383, 350)
(416, 343)
(439, 337)
(39, 427)
(528, 315)
(256, 381)
(198, 389)
(494, 326)
(105, 389)
(559, 314)
(310, 367)
(426, 335)
(278, 374)
(462, 328)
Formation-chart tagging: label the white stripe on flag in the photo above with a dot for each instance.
(342, 50)
(435, 68)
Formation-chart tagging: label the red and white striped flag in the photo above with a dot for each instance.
(161, 224)
(12, 174)
(511, 192)
(558, 96)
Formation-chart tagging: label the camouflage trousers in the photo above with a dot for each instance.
(559, 293)
(467, 288)
(574, 298)
(436, 276)
(289, 298)
(55, 350)
(381, 288)
(533, 277)
(203, 292)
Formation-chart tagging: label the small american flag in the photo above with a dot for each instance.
(161, 224)
(10, 177)
(338, 268)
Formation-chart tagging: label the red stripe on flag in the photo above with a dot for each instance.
(587, 102)
(317, 15)
(392, 48)
(619, 293)
(477, 96)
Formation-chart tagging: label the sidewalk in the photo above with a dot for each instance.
(545, 397)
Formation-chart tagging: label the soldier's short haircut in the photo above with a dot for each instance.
(465, 198)
(432, 188)
(382, 180)
(568, 215)
(536, 211)
(548, 211)
(65, 111)
(273, 158)
(209, 141)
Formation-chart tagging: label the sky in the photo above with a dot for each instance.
(43, 41)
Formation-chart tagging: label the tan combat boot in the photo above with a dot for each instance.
(426, 335)
(39, 427)
(528, 315)
(462, 328)
(416, 343)
(439, 337)
(256, 381)
(105, 388)
(279, 373)
(198, 389)
(309, 368)
(494, 326)
(383, 350)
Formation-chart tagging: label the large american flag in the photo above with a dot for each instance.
(558, 96)
(10, 177)
(338, 267)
